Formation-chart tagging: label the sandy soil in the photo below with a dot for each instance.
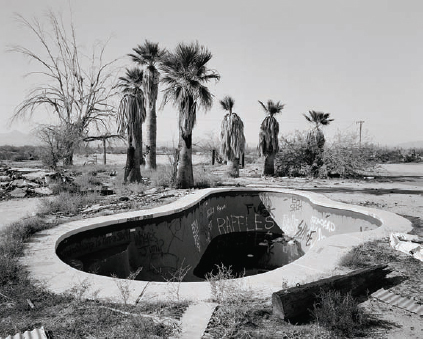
(396, 187)
(17, 209)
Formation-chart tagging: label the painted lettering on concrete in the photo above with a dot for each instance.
(196, 234)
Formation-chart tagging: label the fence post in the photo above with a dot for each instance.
(213, 156)
(242, 161)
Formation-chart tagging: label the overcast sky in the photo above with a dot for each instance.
(358, 60)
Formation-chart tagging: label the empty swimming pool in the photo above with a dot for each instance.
(251, 231)
(263, 228)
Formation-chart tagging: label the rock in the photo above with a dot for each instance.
(37, 176)
(4, 178)
(93, 208)
(43, 191)
(18, 183)
(151, 190)
(18, 193)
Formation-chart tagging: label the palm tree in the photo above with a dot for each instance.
(316, 139)
(130, 116)
(149, 55)
(268, 136)
(185, 75)
(232, 137)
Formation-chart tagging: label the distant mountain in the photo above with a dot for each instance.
(16, 138)
(412, 144)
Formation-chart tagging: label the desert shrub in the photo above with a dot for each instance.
(413, 155)
(204, 178)
(19, 153)
(292, 159)
(340, 314)
(164, 176)
(67, 203)
(343, 157)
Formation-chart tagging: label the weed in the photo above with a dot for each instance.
(79, 290)
(175, 279)
(124, 285)
(340, 314)
(225, 288)
(12, 240)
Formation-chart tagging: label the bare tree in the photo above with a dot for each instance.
(76, 88)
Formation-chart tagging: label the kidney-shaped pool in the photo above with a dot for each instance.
(250, 231)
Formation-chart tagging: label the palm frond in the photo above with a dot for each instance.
(318, 118)
(185, 74)
(147, 54)
(227, 103)
(271, 107)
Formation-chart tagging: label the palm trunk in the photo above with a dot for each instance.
(151, 132)
(269, 164)
(133, 162)
(184, 173)
(151, 82)
(233, 168)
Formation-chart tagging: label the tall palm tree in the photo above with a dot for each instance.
(149, 55)
(316, 139)
(232, 137)
(268, 136)
(130, 116)
(185, 74)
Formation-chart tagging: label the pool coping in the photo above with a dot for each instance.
(45, 267)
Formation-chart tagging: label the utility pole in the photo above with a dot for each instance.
(360, 122)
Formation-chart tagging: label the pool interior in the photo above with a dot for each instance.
(251, 232)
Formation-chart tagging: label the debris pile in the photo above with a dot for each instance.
(27, 182)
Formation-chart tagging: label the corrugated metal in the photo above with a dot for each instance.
(36, 333)
(399, 301)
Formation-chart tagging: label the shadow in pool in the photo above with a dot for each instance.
(247, 253)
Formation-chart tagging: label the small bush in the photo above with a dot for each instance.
(203, 178)
(339, 314)
(164, 176)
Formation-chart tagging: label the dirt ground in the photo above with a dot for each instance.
(396, 187)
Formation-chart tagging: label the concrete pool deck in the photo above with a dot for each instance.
(321, 260)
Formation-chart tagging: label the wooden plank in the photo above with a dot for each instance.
(296, 301)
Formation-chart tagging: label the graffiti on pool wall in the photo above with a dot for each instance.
(243, 223)
(313, 232)
(196, 234)
(266, 203)
(326, 224)
(147, 243)
(210, 212)
(296, 205)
